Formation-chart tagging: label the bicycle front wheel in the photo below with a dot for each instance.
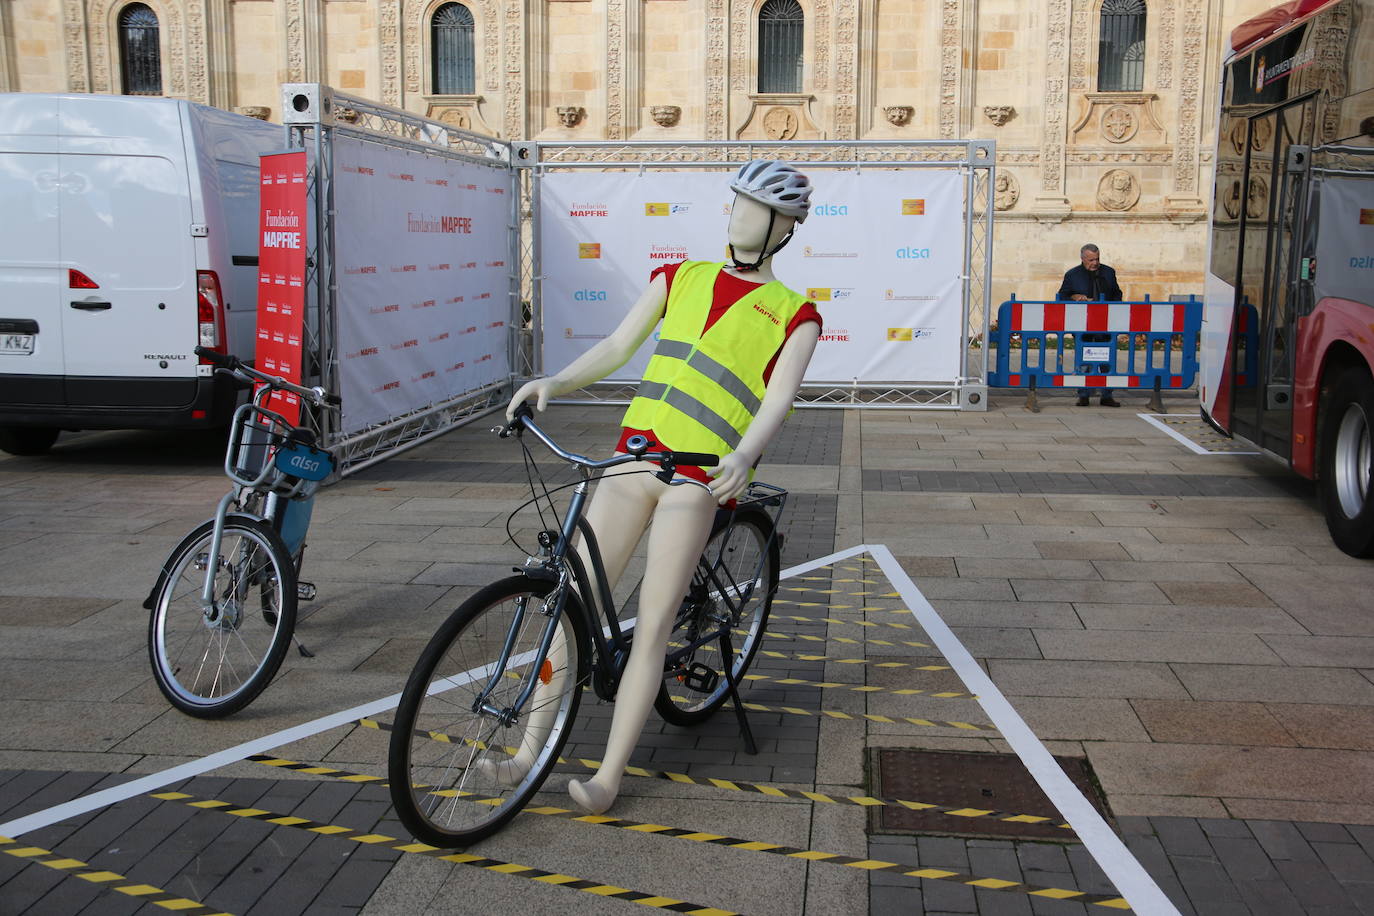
(460, 767)
(734, 587)
(213, 661)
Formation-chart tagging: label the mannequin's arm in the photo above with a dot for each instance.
(605, 357)
(732, 474)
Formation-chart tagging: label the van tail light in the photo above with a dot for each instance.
(77, 280)
(210, 312)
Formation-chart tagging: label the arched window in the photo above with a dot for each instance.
(140, 56)
(452, 29)
(781, 24)
(1121, 47)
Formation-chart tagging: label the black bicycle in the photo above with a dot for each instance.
(504, 674)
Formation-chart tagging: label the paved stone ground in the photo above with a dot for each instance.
(1180, 621)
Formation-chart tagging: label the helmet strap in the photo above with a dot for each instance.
(742, 267)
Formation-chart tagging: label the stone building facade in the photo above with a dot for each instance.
(1128, 170)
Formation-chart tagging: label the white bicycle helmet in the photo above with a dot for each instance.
(776, 184)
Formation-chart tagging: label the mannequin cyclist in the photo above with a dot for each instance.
(721, 381)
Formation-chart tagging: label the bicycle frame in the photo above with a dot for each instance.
(562, 565)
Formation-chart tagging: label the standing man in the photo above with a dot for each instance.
(1091, 281)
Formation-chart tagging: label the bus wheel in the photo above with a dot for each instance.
(1347, 463)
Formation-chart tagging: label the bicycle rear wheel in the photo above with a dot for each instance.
(213, 663)
(458, 773)
(743, 560)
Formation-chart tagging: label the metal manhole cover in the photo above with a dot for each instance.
(998, 782)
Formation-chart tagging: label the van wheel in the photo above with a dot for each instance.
(1347, 463)
(27, 440)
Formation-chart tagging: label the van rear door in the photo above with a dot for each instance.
(126, 224)
(31, 277)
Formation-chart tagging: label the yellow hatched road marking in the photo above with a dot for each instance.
(108, 880)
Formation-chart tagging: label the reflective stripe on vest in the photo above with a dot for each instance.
(701, 391)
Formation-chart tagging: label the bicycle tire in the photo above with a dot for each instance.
(734, 551)
(436, 780)
(211, 669)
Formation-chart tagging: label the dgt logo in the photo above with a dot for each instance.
(914, 206)
(589, 295)
(589, 250)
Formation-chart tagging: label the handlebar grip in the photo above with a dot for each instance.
(523, 412)
(228, 361)
(696, 459)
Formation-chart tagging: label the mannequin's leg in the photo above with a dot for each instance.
(619, 510)
(680, 527)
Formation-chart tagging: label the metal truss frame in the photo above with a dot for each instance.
(314, 116)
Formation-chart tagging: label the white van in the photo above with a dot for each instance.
(128, 235)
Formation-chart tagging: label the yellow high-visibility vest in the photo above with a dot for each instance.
(701, 391)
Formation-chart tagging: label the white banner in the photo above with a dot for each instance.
(424, 284)
(881, 255)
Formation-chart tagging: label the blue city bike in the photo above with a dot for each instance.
(492, 700)
(224, 604)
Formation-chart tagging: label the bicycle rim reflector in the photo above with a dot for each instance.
(546, 672)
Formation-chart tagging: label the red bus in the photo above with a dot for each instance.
(1288, 324)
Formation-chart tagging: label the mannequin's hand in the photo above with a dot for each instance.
(539, 390)
(732, 476)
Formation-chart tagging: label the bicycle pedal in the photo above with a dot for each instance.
(305, 591)
(700, 678)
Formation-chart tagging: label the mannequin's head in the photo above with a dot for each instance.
(771, 198)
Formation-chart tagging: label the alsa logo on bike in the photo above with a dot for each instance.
(303, 465)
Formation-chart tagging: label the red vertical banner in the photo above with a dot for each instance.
(282, 221)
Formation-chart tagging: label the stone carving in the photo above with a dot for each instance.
(198, 89)
(739, 13)
(716, 68)
(514, 47)
(261, 112)
(1257, 198)
(1230, 202)
(1164, 76)
(780, 123)
(1189, 105)
(456, 117)
(951, 59)
(295, 41)
(1118, 190)
(570, 115)
(1056, 97)
(821, 54)
(898, 115)
(74, 37)
(614, 123)
(389, 44)
(1007, 191)
(1260, 134)
(846, 69)
(666, 115)
(1083, 11)
(1118, 124)
(999, 114)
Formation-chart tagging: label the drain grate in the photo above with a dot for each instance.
(980, 781)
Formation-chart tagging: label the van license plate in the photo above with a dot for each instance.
(16, 344)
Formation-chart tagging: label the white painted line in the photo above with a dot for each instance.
(154, 781)
(1150, 418)
(146, 784)
(1130, 878)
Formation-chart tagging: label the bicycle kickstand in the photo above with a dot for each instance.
(727, 653)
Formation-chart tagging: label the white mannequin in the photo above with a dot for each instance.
(626, 501)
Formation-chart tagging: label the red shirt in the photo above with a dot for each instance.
(728, 290)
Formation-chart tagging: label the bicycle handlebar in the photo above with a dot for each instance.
(638, 451)
(232, 364)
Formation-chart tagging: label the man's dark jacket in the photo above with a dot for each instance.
(1098, 288)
